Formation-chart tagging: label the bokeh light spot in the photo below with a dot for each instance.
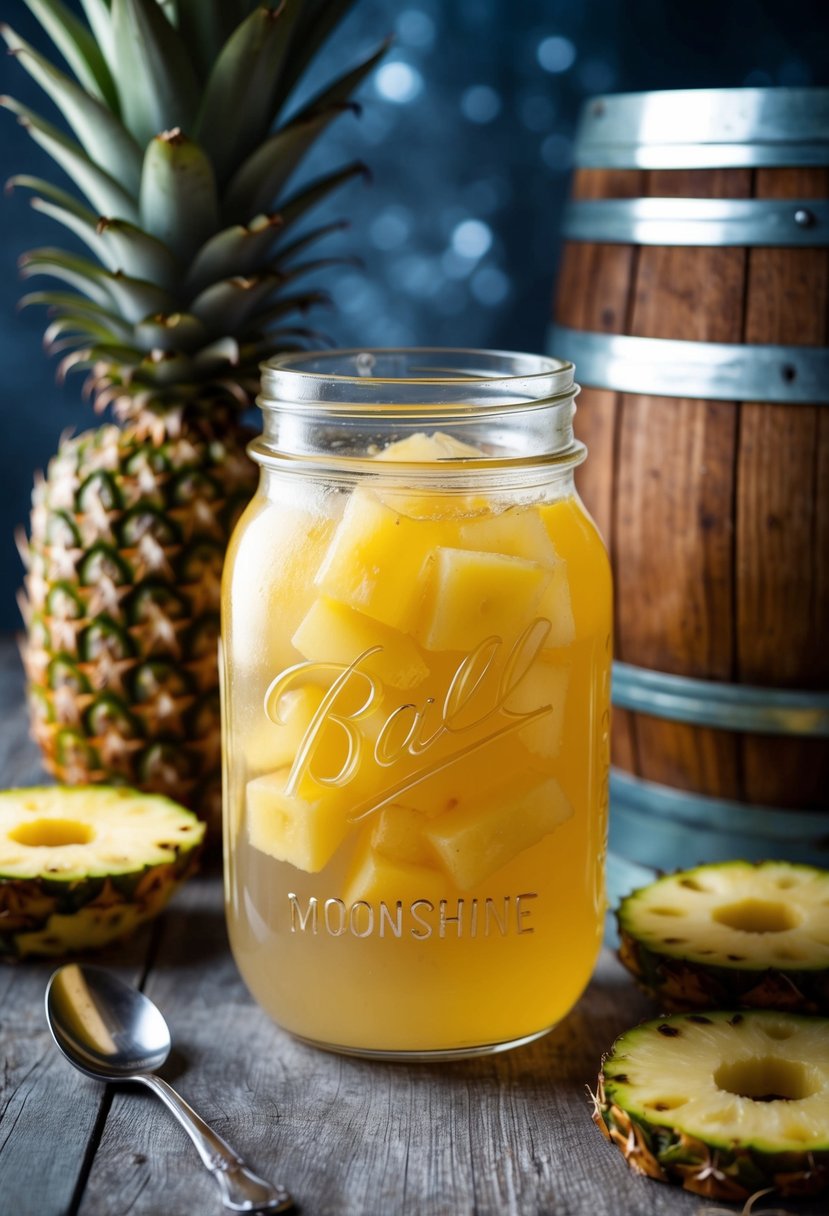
(472, 238)
(398, 82)
(391, 228)
(557, 152)
(480, 103)
(415, 28)
(490, 286)
(556, 54)
(418, 275)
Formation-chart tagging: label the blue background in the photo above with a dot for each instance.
(467, 127)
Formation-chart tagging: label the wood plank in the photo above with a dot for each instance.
(673, 528)
(595, 292)
(782, 512)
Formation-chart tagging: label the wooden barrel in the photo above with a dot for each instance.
(693, 297)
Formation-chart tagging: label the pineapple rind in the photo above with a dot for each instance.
(56, 900)
(675, 1148)
(139, 627)
(745, 970)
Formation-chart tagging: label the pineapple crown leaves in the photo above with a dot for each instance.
(180, 154)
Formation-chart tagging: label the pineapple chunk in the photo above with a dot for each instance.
(481, 835)
(375, 559)
(578, 542)
(475, 595)
(274, 744)
(421, 448)
(305, 830)
(522, 534)
(556, 607)
(398, 835)
(543, 684)
(333, 633)
(374, 877)
(266, 608)
(512, 533)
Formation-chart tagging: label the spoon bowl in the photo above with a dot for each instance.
(113, 1032)
(105, 1028)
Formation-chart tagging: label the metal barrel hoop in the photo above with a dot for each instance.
(705, 129)
(671, 367)
(744, 222)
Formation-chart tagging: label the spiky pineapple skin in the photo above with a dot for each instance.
(667, 1155)
(679, 983)
(728, 1167)
(50, 914)
(121, 604)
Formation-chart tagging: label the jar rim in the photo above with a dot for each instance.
(317, 376)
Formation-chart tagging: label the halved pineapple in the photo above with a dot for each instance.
(83, 866)
(724, 1104)
(731, 935)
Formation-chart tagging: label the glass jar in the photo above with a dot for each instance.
(416, 669)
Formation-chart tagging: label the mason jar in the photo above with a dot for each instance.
(416, 650)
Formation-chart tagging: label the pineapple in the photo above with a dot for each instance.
(724, 1104)
(82, 867)
(180, 155)
(732, 935)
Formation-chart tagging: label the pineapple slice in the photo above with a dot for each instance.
(724, 1104)
(330, 632)
(375, 559)
(482, 833)
(82, 867)
(474, 595)
(304, 829)
(731, 935)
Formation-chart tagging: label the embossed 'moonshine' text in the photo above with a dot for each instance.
(421, 918)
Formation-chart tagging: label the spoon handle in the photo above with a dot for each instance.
(242, 1190)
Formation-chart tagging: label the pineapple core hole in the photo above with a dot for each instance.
(51, 833)
(757, 916)
(766, 1079)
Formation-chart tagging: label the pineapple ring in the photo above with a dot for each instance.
(83, 866)
(731, 935)
(724, 1104)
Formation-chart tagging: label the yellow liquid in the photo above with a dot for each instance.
(444, 893)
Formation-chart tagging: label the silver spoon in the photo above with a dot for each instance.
(112, 1032)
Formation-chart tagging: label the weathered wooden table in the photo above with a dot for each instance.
(507, 1134)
